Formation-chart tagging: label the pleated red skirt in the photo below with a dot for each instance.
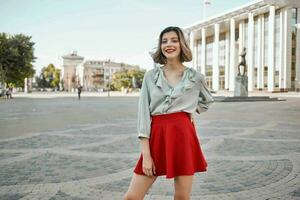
(174, 146)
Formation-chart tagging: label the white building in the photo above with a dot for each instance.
(70, 63)
(267, 29)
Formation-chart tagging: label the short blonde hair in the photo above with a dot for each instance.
(185, 53)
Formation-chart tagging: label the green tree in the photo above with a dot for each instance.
(56, 80)
(16, 57)
(49, 77)
(125, 79)
(41, 81)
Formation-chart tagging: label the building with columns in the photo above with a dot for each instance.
(268, 29)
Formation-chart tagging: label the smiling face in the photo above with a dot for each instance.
(170, 45)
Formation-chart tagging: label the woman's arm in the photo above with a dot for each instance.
(193, 121)
(205, 99)
(148, 164)
(144, 118)
(144, 126)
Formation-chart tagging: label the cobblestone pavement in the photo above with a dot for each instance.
(63, 148)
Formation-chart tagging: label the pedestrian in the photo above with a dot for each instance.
(79, 89)
(170, 94)
(9, 93)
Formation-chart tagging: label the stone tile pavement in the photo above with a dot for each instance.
(62, 148)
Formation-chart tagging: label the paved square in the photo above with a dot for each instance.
(62, 148)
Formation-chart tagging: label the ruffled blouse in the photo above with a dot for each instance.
(157, 96)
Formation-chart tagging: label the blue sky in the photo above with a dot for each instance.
(122, 30)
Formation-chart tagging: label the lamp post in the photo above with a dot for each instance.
(297, 78)
(68, 82)
(109, 83)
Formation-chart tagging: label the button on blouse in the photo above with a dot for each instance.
(157, 96)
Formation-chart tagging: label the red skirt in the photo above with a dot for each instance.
(174, 146)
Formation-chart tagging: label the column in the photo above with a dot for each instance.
(281, 42)
(250, 51)
(297, 67)
(241, 37)
(192, 44)
(227, 60)
(232, 55)
(203, 51)
(262, 68)
(259, 52)
(271, 46)
(287, 48)
(197, 50)
(26, 85)
(215, 74)
(195, 60)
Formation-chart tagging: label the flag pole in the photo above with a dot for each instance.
(205, 4)
(204, 10)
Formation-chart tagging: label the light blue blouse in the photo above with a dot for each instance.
(157, 96)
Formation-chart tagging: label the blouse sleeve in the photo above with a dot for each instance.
(205, 98)
(144, 119)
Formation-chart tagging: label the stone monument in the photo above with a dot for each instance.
(241, 80)
(241, 86)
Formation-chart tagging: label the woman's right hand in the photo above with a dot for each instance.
(148, 165)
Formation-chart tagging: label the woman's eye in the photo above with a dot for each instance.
(166, 41)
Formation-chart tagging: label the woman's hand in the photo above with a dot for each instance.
(148, 165)
(191, 117)
(193, 122)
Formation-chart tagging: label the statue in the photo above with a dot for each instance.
(243, 61)
(241, 80)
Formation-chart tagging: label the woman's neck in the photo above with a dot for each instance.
(174, 65)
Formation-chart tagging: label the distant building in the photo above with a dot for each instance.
(70, 63)
(268, 29)
(91, 74)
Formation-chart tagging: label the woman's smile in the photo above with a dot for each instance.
(170, 50)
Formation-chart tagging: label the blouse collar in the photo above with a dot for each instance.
(189, 79)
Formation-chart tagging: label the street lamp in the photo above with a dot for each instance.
(109, 83)
(108, 91)
(67, 82)
(133, 82)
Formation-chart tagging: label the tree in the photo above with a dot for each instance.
(124, 78)
(55, 81)
(49, 77)
(16, 57)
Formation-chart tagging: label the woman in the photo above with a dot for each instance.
(169, 95)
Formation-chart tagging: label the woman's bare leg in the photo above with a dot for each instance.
(139, 186)
(183, 187)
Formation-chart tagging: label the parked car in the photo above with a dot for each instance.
(2, 92)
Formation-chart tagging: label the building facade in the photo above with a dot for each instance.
(97, 74)
(70, 63)
(92, 75)
(268, 29)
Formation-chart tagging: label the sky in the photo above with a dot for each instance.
(120, 30)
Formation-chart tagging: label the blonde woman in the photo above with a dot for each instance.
(170, 94)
